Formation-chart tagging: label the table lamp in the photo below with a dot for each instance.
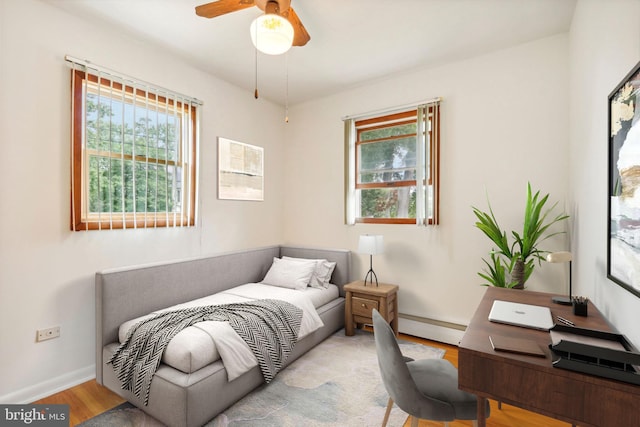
(372, 245)
(562, 256)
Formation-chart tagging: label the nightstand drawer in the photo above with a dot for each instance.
(363, 307)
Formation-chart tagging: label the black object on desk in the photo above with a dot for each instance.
(595, 352)
(580, 305)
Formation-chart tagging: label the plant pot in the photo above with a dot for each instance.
(517, 274)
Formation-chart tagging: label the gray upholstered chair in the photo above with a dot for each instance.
(426, 389)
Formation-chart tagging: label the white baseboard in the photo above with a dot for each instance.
(50, 386)
(430, 329)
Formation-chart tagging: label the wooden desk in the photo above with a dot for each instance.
(532, 383)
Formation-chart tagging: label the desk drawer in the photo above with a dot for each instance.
(363, 306)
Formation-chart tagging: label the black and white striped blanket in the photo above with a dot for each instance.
(269, 327)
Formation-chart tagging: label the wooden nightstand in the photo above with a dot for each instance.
(361, 300)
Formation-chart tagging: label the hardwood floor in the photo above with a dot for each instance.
(90, 399)
(85, 401)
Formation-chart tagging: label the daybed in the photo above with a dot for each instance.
(180, 398)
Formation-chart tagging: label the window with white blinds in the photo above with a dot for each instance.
(134, 153)
(393, 166)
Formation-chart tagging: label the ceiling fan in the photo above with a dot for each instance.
(278, 7)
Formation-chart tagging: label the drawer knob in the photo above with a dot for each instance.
(364, 305)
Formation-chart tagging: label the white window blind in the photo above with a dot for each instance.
(134, 152)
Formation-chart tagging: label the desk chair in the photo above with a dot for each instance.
(426, 389)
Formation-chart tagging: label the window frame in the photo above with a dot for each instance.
(81, 219)
(382, 122)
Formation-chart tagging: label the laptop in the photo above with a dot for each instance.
(525, 315)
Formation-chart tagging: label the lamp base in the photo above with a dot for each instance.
(370, 276)
(562, 300)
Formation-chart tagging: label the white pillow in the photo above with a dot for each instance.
(290, 274)
(322, 273)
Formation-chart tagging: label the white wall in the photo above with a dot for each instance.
(47, 271)
(504, 122)
(605, 45)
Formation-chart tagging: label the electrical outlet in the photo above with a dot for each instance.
(47, 334)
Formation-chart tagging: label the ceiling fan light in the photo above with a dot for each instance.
(271, 34)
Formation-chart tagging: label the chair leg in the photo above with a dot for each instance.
(475, 423)
(414, 421)
(386, 414)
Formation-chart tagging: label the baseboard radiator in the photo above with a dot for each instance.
(432, 329)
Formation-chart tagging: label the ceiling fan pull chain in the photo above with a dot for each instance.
(286, 93)
(255, 93)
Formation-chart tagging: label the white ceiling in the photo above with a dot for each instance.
(352, 41)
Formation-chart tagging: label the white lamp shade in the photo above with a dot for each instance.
(562, 256)
(271, 34)
(371, 244)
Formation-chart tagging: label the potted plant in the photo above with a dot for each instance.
(517, 258)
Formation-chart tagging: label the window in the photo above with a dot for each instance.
(133, 154)
(393, 170)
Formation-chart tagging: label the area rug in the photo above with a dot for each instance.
(336, 384)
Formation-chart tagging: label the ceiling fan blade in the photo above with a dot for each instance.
(300, 35)
(221, 7)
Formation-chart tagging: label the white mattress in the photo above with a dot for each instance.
(195, 346)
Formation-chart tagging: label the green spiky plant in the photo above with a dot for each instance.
(518, 257)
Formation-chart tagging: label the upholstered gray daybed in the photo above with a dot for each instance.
(191, 399)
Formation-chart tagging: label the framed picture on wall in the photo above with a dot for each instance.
(623, 239)
(240, 170)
